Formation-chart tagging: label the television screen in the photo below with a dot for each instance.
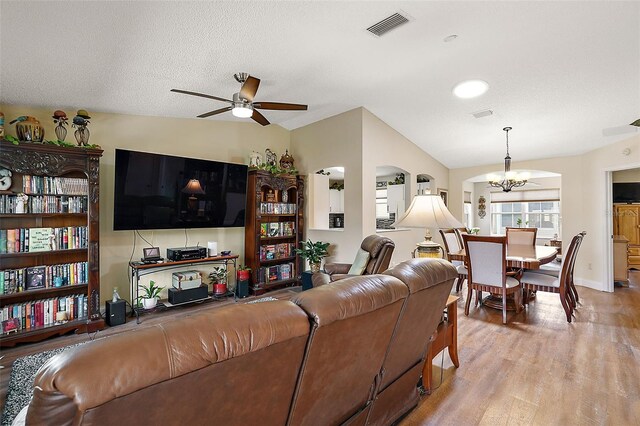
(154, 191)
(626, 192)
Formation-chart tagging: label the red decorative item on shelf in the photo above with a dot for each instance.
(219, 288)
(244, 274)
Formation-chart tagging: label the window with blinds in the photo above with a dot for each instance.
(532, 208)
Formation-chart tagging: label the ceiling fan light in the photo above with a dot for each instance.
(242, 111)
(470, 89)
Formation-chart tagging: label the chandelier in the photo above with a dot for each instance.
(510, 179)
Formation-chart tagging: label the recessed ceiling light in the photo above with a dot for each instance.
(450, 38)
(470, 89)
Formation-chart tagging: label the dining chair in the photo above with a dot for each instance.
(487, 266)
(555, 272)
(524, 236)
(452, 245)
(561, 285)
(460, 232)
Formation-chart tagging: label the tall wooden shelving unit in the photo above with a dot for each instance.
(266, 205)
(33, 159)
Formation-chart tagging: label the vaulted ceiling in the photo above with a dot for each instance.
(560, 73)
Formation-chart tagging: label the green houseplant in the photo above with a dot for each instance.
(150, 295)
(314, 252)
(244, 273)
(218, 277)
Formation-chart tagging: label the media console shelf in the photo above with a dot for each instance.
(139, 269)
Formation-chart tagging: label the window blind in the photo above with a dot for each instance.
(549, 194)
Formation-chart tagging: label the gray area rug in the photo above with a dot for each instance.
(264, 299)
(20, 387)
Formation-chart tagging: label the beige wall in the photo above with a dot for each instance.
(335, 141)
(384, 146)
(230, 141)
(584, 204)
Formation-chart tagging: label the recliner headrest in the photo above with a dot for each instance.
(374, 243)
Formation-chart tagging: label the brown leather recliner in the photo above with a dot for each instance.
(352, 322)
(380, 250)
(429, 282)
(236, 365)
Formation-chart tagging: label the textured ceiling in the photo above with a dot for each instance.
(559, 72)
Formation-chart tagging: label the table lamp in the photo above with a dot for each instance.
(427, 211)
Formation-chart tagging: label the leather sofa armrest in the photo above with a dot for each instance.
(337, 268)
(320, 278)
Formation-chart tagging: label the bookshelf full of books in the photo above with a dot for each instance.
(49, 241)
(273, 229)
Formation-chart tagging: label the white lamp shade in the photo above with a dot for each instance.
(427, 211)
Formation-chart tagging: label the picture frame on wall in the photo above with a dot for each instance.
(444, 194)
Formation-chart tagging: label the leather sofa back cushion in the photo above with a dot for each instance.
(353, 320)
(90, 375)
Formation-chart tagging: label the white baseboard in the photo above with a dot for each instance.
(596, 285)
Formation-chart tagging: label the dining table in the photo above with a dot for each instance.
(519, 256)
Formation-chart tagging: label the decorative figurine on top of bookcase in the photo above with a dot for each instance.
(80, 122)
(5, 179)
(286, 161)
(28, 129)
(255, 159)
(60, 118)
(270, 157)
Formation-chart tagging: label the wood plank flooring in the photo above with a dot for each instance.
(541, 370)
(537, 370)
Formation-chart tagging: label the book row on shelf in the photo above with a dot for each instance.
(29, 240)
(54, 185)
(276, 273)
(277, 229)
(45, 276)
(43, 313)
(277, 208)
(44, 204)
(276, 251)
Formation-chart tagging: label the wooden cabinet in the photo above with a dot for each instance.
(620, 258)
(626, 222)
(336, 201)
(274, 227)
(49, 249)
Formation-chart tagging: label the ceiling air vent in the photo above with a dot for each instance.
(483, 113)
(387, 24)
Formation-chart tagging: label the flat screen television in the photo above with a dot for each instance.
(626, 192)
(155, 191)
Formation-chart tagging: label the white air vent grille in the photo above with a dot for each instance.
(387, 24)
(483, 113)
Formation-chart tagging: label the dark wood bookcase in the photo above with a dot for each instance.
(273, 227)
(27, 160)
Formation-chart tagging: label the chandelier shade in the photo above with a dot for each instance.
(510, 179)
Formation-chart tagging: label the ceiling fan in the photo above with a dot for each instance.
(242, 104)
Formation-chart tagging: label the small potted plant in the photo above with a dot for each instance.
(314, 252)
(244, 273)
(150, 295)
(218, 277)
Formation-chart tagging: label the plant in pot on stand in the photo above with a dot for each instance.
(150, 295)
(244, 273)
(218, 277)
(314, 253)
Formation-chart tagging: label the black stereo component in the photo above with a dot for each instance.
(184, 296)
(186, 253)
(242, 288)
(116, 312)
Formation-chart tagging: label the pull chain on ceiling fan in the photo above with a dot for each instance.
(242, 104)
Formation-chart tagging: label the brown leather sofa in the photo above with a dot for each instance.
(344, 353)
(380, 250)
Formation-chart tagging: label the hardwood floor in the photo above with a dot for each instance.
(537, 370)
(541, 370)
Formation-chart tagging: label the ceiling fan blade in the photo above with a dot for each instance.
(249, 88)
(259, 118)
(218, 111)
(279, 106)
(202, 95)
